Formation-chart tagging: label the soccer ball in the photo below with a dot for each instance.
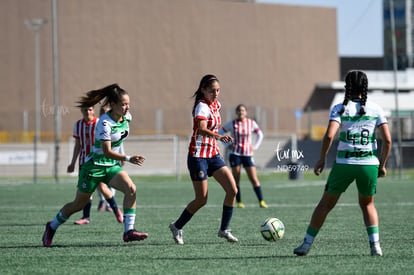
(272, 229)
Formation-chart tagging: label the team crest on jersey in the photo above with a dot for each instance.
(201, 174)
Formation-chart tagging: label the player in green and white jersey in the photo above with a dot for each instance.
(357, 159)
(103, 163)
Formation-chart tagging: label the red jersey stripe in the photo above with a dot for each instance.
(85, 132)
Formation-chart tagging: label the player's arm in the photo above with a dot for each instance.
(259, 139)
(76, 152)
(122, 151)
(204, 131)
(221, 132)
(385, 148)
(333, 127)
(109, 153)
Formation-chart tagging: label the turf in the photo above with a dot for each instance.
(341, 247)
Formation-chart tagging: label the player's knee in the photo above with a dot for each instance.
(132, 190)
(232, 192)
(201, 201)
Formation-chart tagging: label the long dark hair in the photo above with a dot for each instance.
(110, 93)
(205, 82)
(356, 82)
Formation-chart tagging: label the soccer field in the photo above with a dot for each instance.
(341, 247)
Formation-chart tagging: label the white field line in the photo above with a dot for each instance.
(276, 205)
(297, 184)
(175, 206)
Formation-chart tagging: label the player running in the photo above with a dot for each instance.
(84, 134)
(204, 159)
(103, 164)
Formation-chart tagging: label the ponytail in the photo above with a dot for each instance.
(345, 102)
(364, 96)
(110, 93)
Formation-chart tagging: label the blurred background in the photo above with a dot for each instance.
(285, 60)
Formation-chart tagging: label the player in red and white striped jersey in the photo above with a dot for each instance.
(84, 134)
(204, 159)
(205, 146)
(241, 151)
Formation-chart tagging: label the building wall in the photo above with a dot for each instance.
(267, 56)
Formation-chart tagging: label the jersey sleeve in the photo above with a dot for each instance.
(255, 127)
(103, 130)
(202, 112)
(381, 117)
(76, 133)
(259, 134)
(335, 115)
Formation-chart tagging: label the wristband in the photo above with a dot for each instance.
(127, 158)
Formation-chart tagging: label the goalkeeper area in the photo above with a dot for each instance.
(342, 244)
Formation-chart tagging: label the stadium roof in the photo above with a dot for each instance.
(381, 91)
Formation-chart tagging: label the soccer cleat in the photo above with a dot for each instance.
(303, 249)
(240, 205)
(101, 205)
(177, 234)
(263, 204)
(119, 216)
(227, 235)
(375, 249)
(133, 235)
(82, 221)
(48, 235)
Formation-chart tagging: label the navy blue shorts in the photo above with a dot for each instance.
(201, 168)
(236, 160)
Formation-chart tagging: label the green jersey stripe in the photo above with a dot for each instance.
(358, 118)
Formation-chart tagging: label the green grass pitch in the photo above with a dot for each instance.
(341, 247)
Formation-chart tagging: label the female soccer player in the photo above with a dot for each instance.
(356, 159)
(103, 163)
(204, 159)
(83, 132)
(241, 151)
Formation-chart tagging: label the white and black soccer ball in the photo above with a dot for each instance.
(272, 229)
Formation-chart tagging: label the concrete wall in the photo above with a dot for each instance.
(265, 55)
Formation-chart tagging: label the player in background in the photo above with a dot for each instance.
(357, 120)
(103, 163)
(241, 151)
(83, 132)
(204, 159)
